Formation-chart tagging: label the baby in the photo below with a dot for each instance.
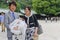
(21, 28)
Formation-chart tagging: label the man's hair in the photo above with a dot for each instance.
(0, 13)
(13, 2)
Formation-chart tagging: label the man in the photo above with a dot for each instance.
(9, 18)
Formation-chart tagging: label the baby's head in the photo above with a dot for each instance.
(21, 19)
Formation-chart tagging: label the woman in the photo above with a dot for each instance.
(32, 23)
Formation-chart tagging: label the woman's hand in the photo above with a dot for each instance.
(35, 37)
(36, 34)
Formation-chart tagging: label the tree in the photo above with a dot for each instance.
(46, 6)
(22, 3)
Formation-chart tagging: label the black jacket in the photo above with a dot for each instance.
(32, 21)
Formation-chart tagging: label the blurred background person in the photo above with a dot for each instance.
(2, 22)
(0, 18)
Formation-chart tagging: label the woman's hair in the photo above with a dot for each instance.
(29, 8)
(13, 2)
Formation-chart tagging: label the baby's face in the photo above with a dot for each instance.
(21, 19)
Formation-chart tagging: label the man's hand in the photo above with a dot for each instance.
(15, 28)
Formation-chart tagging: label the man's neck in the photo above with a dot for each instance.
(11, 11)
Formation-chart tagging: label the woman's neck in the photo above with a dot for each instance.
(28, 14)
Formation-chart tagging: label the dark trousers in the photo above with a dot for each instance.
(9, 38)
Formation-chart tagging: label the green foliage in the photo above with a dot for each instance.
(18, 7)
(46, 6)
(40, 6)
(3, 5)
(22, 3)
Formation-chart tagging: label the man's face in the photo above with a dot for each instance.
(12, 7)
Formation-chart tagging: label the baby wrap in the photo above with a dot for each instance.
(20, 24)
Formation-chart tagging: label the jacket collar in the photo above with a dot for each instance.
(29, 16)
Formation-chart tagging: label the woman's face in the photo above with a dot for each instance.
(27, 12)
